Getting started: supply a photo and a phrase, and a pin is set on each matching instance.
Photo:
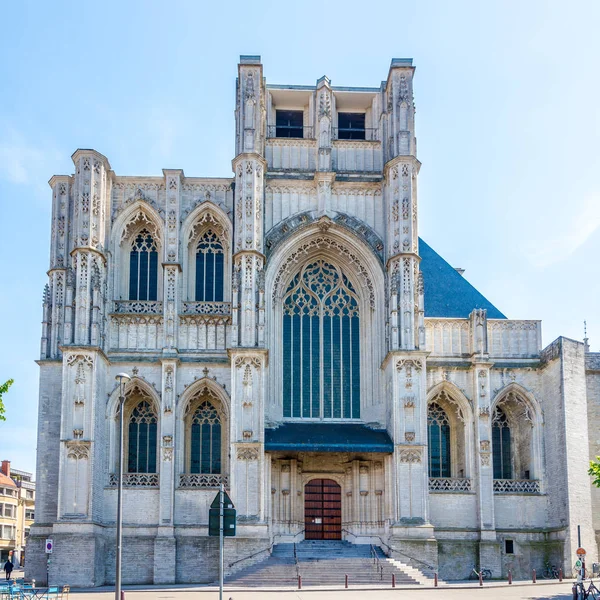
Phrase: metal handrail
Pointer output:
(377, 561)
(370, 134)
(391, 550)
(235, 562)
(307, 132)
(265, 549)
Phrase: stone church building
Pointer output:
(287, 333)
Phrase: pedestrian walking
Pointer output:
(8, 567)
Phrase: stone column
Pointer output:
(247, 433)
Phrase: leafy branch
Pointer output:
(3, 389)
(594, 471)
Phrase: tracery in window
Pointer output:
(210, 268)
(142, 439)
(501, 445)
(438, 428)
(205, 440)
(321, 345)
(143, 267)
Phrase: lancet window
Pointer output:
(501, 445)
(205, 440)
(143, 267)
(142, 439)
(321, 345)
(210, 268)
(438, 428)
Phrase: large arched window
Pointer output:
(438, 428)
(205, 440)
(143, 267)
(501, 445)
(321, 345)
(142, 433)
(209, 268)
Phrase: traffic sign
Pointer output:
(49, 546)
(229, 515)
(580, 552)
(227, 503)
(228, 522)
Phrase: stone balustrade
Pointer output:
(137, 307)
(202, 480)
(516, 486)
(506, 338)
(148, 480)
(450, 484)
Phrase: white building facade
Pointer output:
(288, 334)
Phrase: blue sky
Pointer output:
(507, 124)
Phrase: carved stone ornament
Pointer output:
(409, 436)
(247, 434)
(285, 468)
(167, 454)
(254, 361)
(364, 470)
(78, 451)
(77, 433)
(167, 440)
(485, 459)
(410, 456)
(484, 445)
(484, 412)
(409, 364)
(247, 453)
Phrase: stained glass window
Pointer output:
(142, 443)
(143, 267)
(321, 345)
(438, 428)
(501, 445)
(209, 268)
(205, 448)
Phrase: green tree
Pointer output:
(594, 471)
(3, 389)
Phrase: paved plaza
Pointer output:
(540, 591)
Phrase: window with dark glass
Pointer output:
(501, 445)
(143, 268)
(321, 345)
(289, 123)
(438, 429)
(209, 268)
(351, 126)
(205, 447)
(142, 448)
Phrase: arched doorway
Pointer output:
(322, 510)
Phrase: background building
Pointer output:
(289, 334)
(17, 508)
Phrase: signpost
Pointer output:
(48, 547)
(581, 561)
(221, 522)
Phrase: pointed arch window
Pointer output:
(143, 267)
(142, 439)
(321, 345)
(438, 429)
(501, 445)
(205, 440)
(210, 268)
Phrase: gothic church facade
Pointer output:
(287, 333)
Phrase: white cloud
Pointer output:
(565, 237)
(22, 162)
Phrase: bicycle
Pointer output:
(580, 593)
(550, 572)
(485, 574)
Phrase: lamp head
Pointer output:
(121, 377)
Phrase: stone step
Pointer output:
(322, 563)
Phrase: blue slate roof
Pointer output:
(327, 437)
(447, 292)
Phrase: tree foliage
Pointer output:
(594, 471)
(3, 389)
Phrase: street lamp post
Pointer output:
(122, 378)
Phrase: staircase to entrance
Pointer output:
(325, 562)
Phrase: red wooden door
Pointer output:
(322, 510)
